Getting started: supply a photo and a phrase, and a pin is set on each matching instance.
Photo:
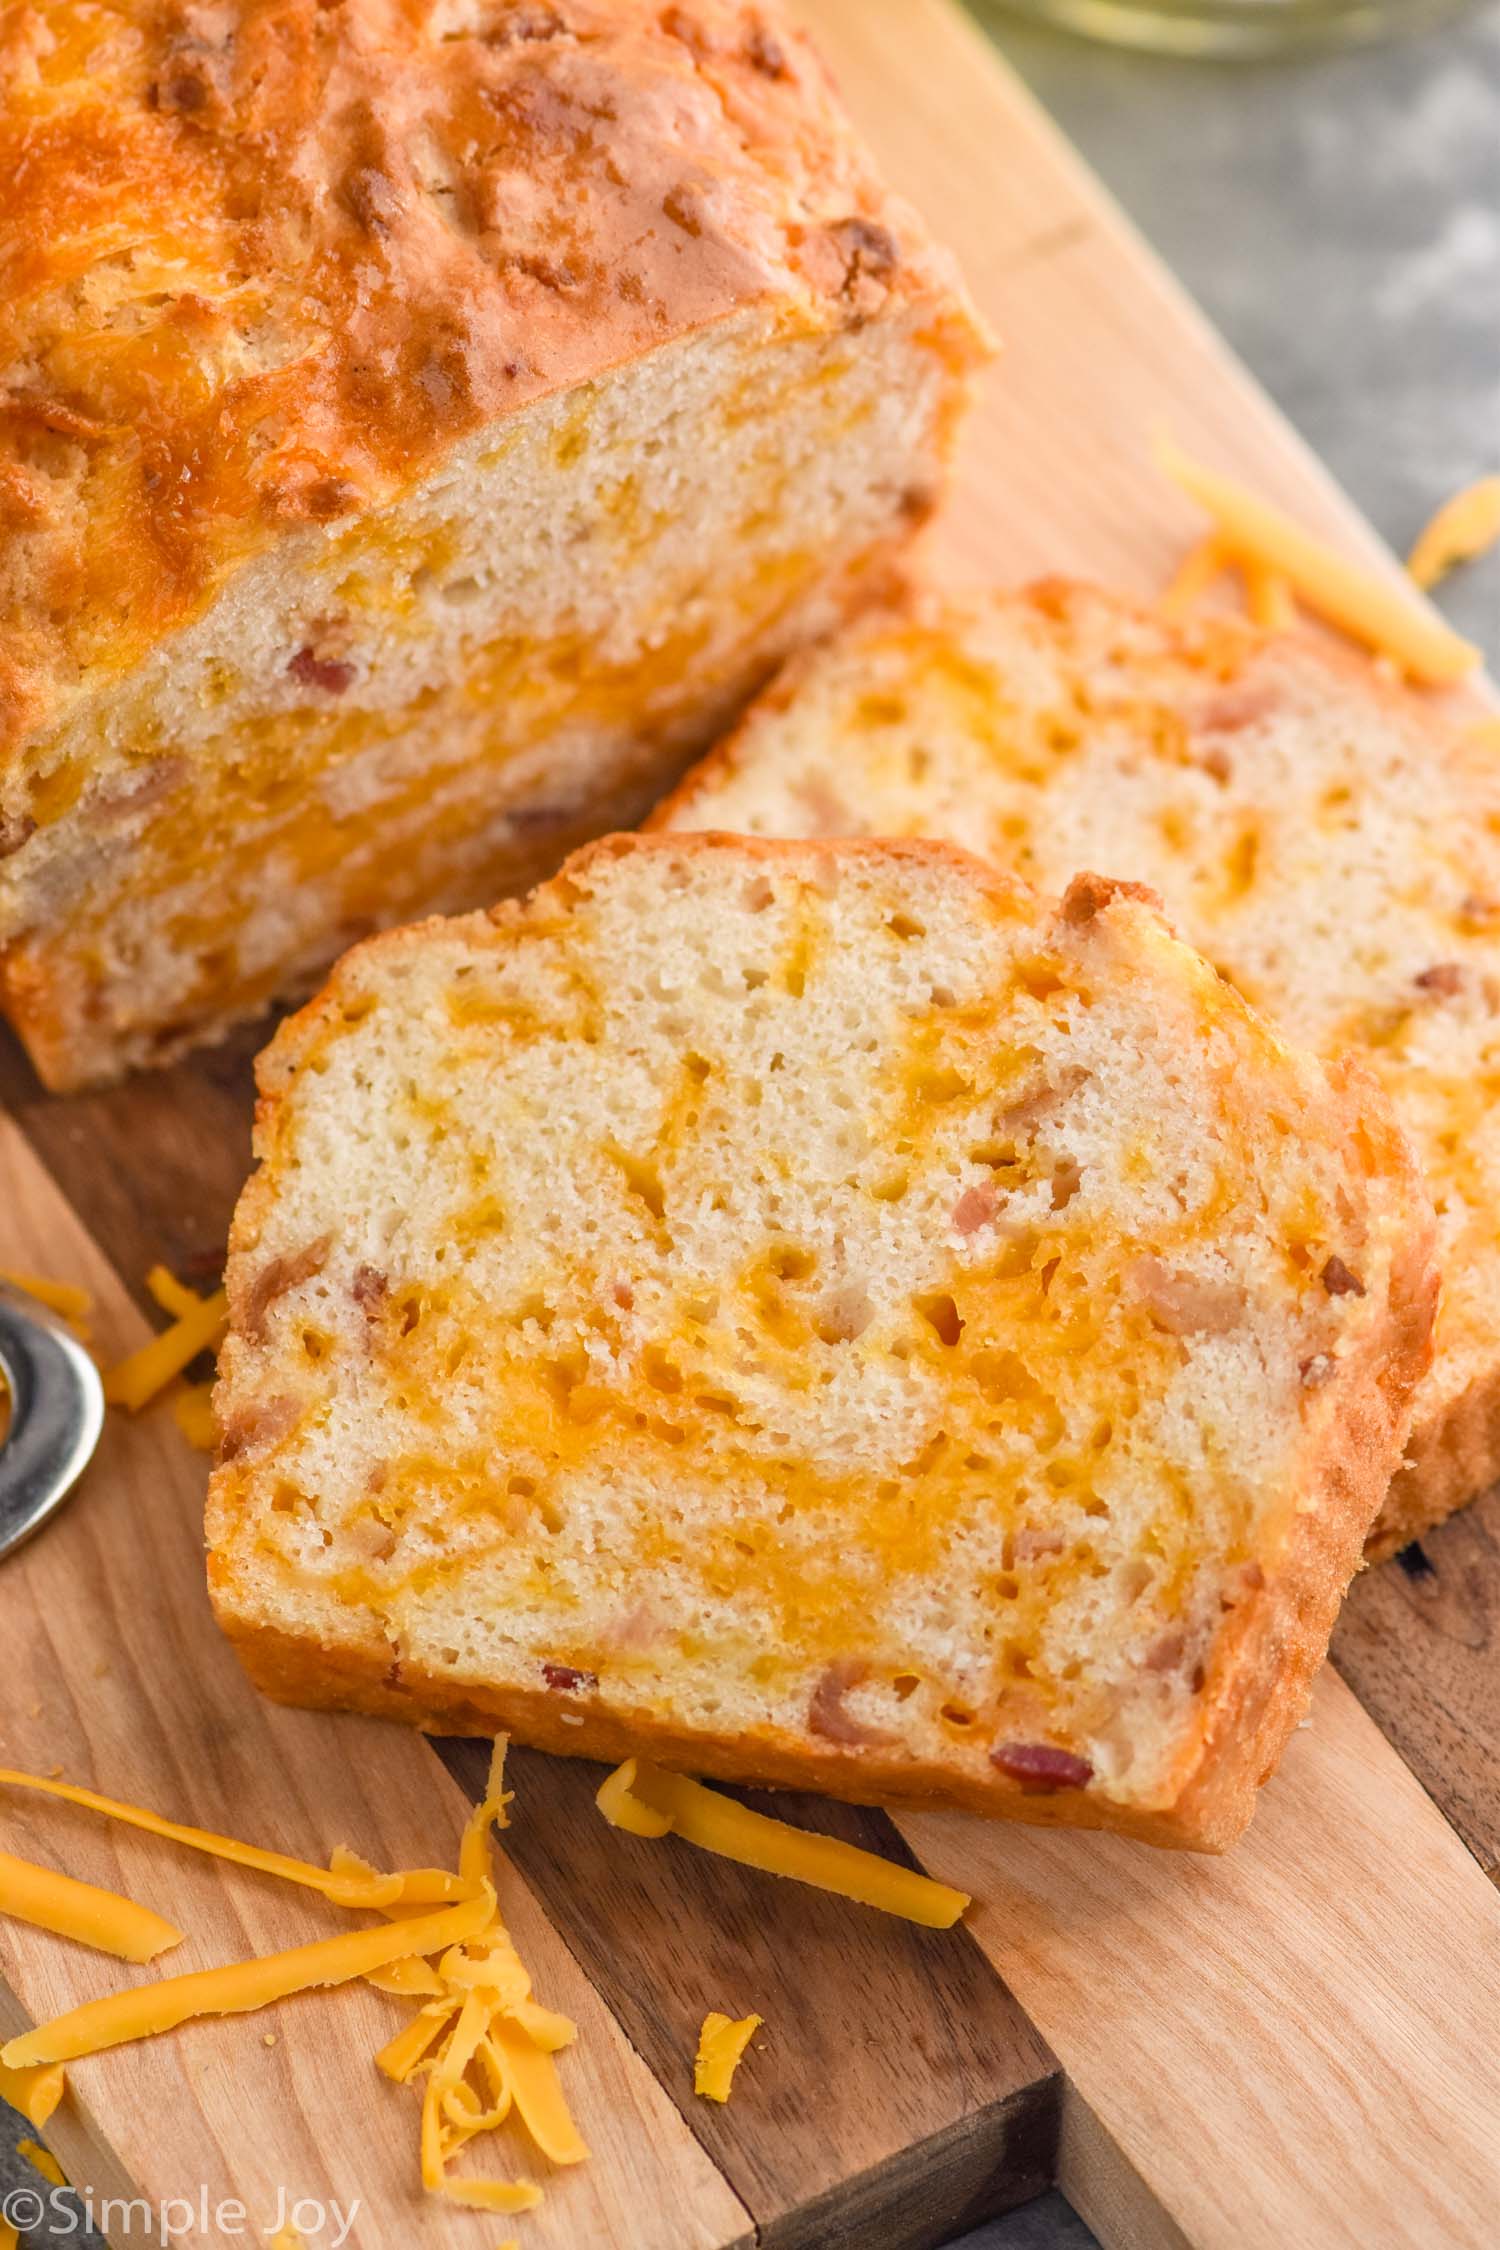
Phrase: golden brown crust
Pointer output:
(1266, 1654)
(1450, 1459)
(1266, 1669)
(269, 259)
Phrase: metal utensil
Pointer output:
(56, 1414)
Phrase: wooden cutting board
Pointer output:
(1293, 2045)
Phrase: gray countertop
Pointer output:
(1338, 218)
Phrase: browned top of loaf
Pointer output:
(264, 260)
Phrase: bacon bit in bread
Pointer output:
(1339, 1281)
(975, 1208)
(1088, 895)
(1166, 1652)
(568, 1680)
(257, 1427)
(764, 51)
(330, 673)
(1316, 1371)
(826, 1714)
(1186, 1304)
(275, 1279)
(145, 788)
(1027, 1110)
(1235, 708)
(529, 820)
(844, 1314)
(827, 815)
(1444, 978)
(1040, 1767)
(868, 249)
(522, 24)
(1248, 1579)
(369, 1288)
(1033, 1545)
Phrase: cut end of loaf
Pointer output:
(412, 497)
(814, 1314)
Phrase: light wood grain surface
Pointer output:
(1292, 2044)
(1287, 2047)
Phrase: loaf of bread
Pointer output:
(1329, 845)
(815, 1313)
(423, 427)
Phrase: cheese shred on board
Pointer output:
(721, 2046)
(68, 1299)
(174, 1296)
(1464, 528)
(481, 2043)
(348, 1882)
(35, 2093)
(1358, 601)
(1195, 574)
(138, 1379)
(193, 1412)
(101, 1919)
(647, 1802)
(1268, 597)
(42, 2160)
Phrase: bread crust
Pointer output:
(357, 234)
(1264, 1658)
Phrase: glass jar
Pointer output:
(1237, 27)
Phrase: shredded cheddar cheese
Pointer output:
(35, 2093)
(1201, 566)
(242, 1986)
(101, 1919)
(407, 1977)
(485, 2023)
(174, 1296)
(43, 2161)
(1268, 597)
(348, 1882)
(138, 1379)
(1342, 593)
(641, 1798)
(1464, 528)
(480, 2041)
(68, 1299)
(192, 1411)
(721, 2046)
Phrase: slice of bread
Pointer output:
(424, 428)
(1331, 846)
(815, 1313)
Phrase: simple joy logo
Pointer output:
(58, 2213)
